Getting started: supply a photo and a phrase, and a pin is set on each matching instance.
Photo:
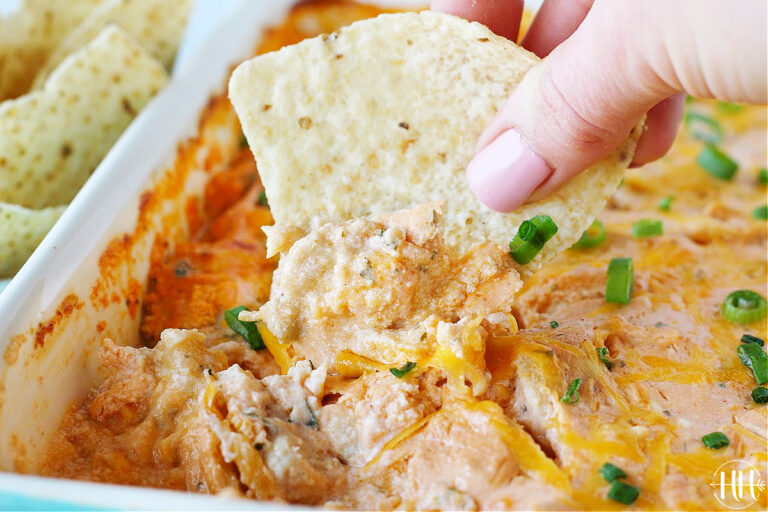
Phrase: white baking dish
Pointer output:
(38, 382)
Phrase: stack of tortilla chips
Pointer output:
(72, 77)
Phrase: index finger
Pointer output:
(501, 16)
(555, 21)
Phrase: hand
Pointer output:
(609, 63)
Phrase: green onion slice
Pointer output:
(717, 163)
(243, 141)
(703, 128)
(760, 395)
(760, 213)
(647, 227)
(744, 307)
(262, 200)
(554, 324)
(621, 281)
(312, 421)
(665, 203)
(623, 493)
(571, 395)
(611, 472)
(755, 359)
(602, 354)
(593, 236)
(762, 176)
(715, 441)
(726, 107)
(531, 237)
(748, 338)
(247, 330)
(182, 268)
(403, 370)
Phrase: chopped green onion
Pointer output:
(623, 493)
(762, 176)
(755, 359)
(717, 163)
(665, 203)
(715, 441)
(312, 421)
(726, 107)
(602, 353)
(647, 227)
(744, 307)
(243, 141)
(760, 213)
(531, 237)
(247, 330)
(182, 268)
(571, 395)
(621, 281)
(403, 370)
(262, 200)
(703, 128)
(593, 236)
(611, 472)
(760, 395)
(554, 324)
(748, 338)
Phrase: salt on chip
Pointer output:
(29, 34)
(51, 140)
(21, 230)
(384, 115)
(156, 24)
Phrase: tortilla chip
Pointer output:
(155, 24)
(21, 231)
(29, 34)
(384, 115)
(52, 140)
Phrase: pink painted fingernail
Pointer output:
(505, 173)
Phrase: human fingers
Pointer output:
(575, 107)
(554, 22)
(501, 16)
(661, 125)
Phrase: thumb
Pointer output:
(568, 112)
(576, 106)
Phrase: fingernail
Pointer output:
(505, 173)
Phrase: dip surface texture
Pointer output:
(398, 376)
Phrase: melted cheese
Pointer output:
(458, 370)
(657, 465)
(700, 464)
(522, 447)
(529, 454)
(280, 351)
(665, 370)
(352, 366)
(402, 436)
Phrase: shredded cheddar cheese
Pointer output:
(280, 351)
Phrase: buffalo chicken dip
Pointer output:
(373, 369)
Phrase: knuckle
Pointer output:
(569, 122)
